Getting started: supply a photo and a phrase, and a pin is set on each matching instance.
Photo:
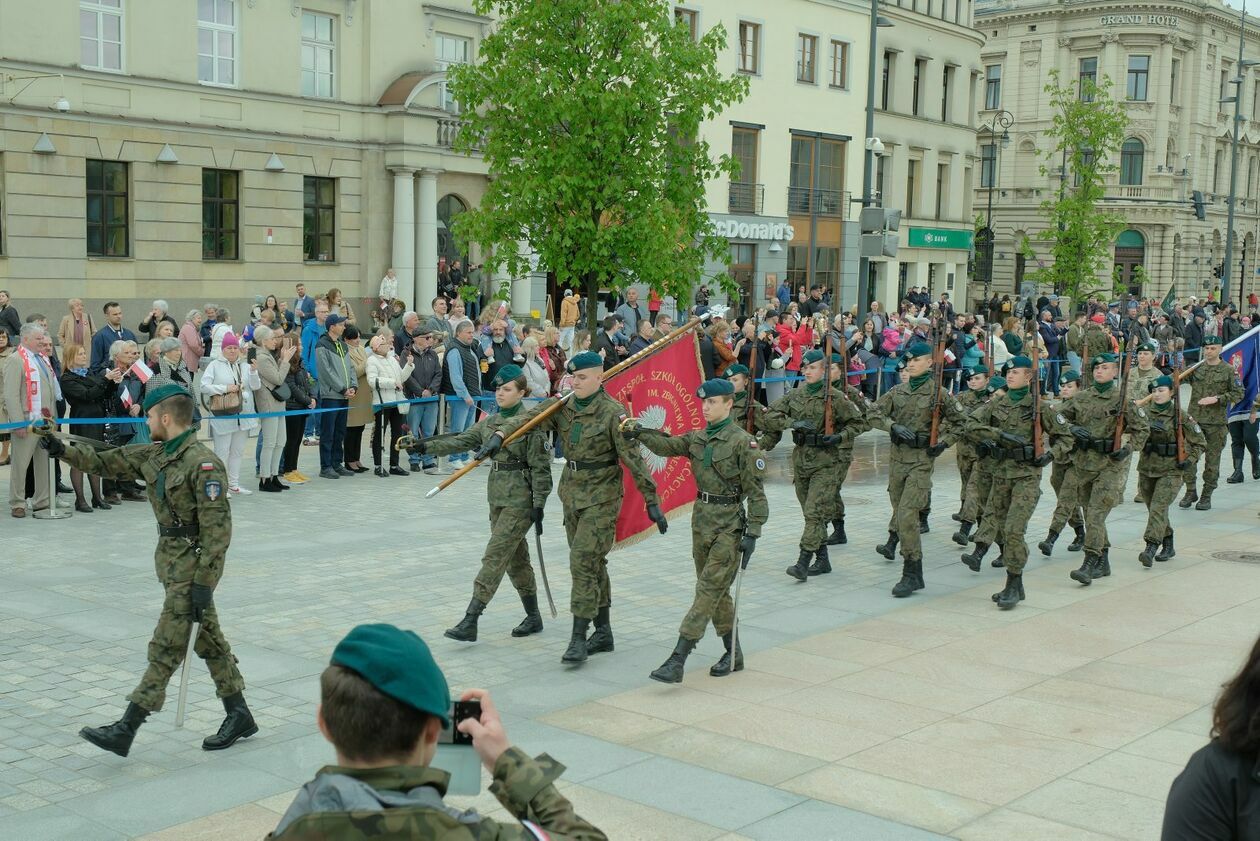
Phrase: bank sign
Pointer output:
(940, 238)
(1165, 21)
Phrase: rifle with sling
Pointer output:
(1181, 433)
(938, 359)
(750, 393)
(1117, 440)
(827, 422)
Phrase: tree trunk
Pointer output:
(590, 287)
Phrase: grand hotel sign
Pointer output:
(1161, 21)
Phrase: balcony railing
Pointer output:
(746, 198)
(447, 130)
(1120, 192)
(803, 201)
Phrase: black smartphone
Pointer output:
(460, 710)
(251, 354)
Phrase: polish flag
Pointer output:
(142, 371)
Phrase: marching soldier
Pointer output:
(980, 480)
(728, 467)
(1010, 426)
(976, 378)
(1067, 509)
(1140, 379)
(1093, 415)
(1159, 472)
(1094, 341)
(859, 401)
(1213, 387)
(746, 406)
(520, 481)
(906, 412)
(816, 457)
(187, 488)
(591, 492)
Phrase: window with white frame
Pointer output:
(318, 55)
(451, 50)
(839, 64)
(749, 47)
(100, 34)
(216, 42)
(806, 58)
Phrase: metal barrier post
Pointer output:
(51, 512)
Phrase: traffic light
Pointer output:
(1200, 209)
(1219, 270)
(878, 227)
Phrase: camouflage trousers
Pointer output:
(591, 532)
(976, 495)
(817, 490)
(1098, 492)
(170, 643)
(716, 555)
(507, 552)
(1011, 505)
(1159, 493)
(842, 472)
(909, 491)
(1067, 509)
(966, 459)
(1215, 436)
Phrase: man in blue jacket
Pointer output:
(312, 329)
(113, 331)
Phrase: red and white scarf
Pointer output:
(33, 393)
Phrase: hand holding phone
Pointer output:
(486, 730)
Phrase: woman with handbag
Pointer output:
(227, 391)
(385, 380)
(273, 367)
(86, 393)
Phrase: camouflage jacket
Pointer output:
(1159, 455)
(800, 404)
(971, 402)
(725, 462)
(406, 802)
(591, 436)
(1218, 380)
(187, 488)
(1098, 412)
(1015, 417)
(903, 404)
(520, 472)
(1093, 342)
(766, 439)
(1139, 381)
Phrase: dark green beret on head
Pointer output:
(977, 371)
(812, 356)
(1101, 359)
(399, 665)
(1211, 340)
(715, 388)
(837, 359)
(161, 393)
(996, 383)
(1020, 362)
(732, 370)
(585, 359)
(1150, 346)
(1069, 377)
(1160, 382)
(917, 349)
(506, 374)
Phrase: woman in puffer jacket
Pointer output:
(385, 378)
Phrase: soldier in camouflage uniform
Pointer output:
(1139, 381)
(1067, 509)
(1214, 386)
(905, 412)
(976, 377)
(746, 408)
(1094, 341)
(980, 480)
(816, 456)
(187, 489)
(520, 480)
(858, 399)
(591, 492)
(1093, 415)
(1160, 474)
(728, 467)
(384, 704)
(1010, 428)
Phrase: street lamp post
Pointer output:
(1237, 81)
(1001, 120)
(868, 156)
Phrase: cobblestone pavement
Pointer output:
(860, 716)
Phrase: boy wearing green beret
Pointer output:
(1214, 386)
(1161, 469)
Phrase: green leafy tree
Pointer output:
(1084, 138)
(588, 114)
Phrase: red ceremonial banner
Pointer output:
(660, 392)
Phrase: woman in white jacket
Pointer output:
(538, 383)
(230, 374)
(386, 377)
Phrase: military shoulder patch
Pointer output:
(207, 465)
(761, 464)
(1059, 419)
(1141, 413)
(958, 407)
(752, 443)
(213, 490)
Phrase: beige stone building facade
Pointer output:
(1170, 63)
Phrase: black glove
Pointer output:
(833, 440)
(493, 444)
(630, 431)
(746, 546)
(1081, 434)
(655, 515)
(1043, 459)
(1010, 439)
(1159, 426)
(202, 598)
(417, 447)
(1184, 463)
(538, 518)
(803, 425)
(901, 434)
(53, 445)
(937, 448)
(1120, 454)
(985, 449)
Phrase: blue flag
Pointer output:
(1243, 355)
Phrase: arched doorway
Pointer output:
(448, 207)
(1130, 255)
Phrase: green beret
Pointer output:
(917, 349)
(585, 359)
(1211, 340)
(506, 374)
(164, 392)
(1020, 362)
(996, 383)
(837, 359)
(399, 665)
(1160, 382)
(1150, 346)
(735, 369)
(977, 370)
(1101, 359)
(715, 388)
(812, 356)
(1069, 376)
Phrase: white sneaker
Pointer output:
(240, 491)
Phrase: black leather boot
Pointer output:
(466, 630)
(1190, 497)
(1205, 501)
(1255, 466)
(671, 671)
(924, 528)
(821, 564)
(918, 574)
(722, 667)
(1012, 594)
(1147, 555)
(1102, 567)
(576, 652)
(601, 638)
(1236, 477)
(1085, 573)
(1047, 546)
(960, 536)
(532, 623)
(1078, 542)
(1000, 560)
(977, 555)
(957, 516)
(800, 569)
(838, 537)
(239, 724)
(1166, 550)
(117, 737)
(909, 580)
(889, 549)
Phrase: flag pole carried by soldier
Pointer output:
(1067, 509)
(1175, 441)
(517, 490)
(187, 489)
(728, 467)
(1214, 385)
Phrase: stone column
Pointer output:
(404, 241)
(426, 240)
(1162, 99)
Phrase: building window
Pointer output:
(942, 185)
(689, 18)
(798, 266)
(828, 268)
(216, 42)
(107, 211)
(916, 88)
(319, 219)
(450, 50)
(839, 64)
(318, 55)
(749, 47)
(1139, 73)
(1087, 165)
(744, 191)
(988, 165)
(881, 172)
(947, 89)
(220, 214)
(1087, 79)
(886, 81)
(807, 58)
(912, 186)
(1224, 84)
(1174, 80)
(993, 87)
(100, 34)
(826, 197)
